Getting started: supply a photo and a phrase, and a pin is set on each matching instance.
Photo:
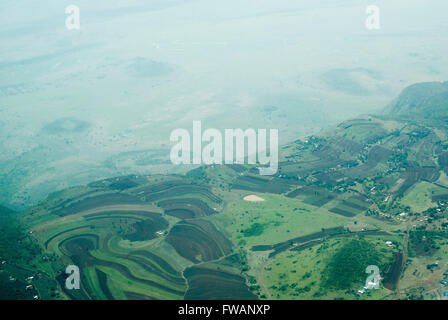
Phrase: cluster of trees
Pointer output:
(347, 266)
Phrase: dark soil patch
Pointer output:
(198, 241)
(207, 284)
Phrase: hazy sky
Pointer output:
(78, 105)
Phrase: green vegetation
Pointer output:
(22, 262)
(255, 229)
(299, 274)
(369, 192)
(347, 267)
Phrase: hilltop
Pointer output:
(427, 100)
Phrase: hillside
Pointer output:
(427, 100)
(376, 182)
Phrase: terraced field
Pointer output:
(137, 242)
(198, 241)
(203, 285)
(176, 237)
(376, 184)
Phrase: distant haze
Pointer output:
(76, 106)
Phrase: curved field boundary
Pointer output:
(137, 296)
(147, 229)
(98, 200)
(160, 186)
(102, 209)
(151, 268)
(128, 274)
(158, 260)
(113, 217)
(198, 241)
(61, 233)
(102, 279)
(208, 284)
(81, 294)
(176, 188)
(82, 236)
(160, 268)
(124, 213)
(186, 208)
(85, 258)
